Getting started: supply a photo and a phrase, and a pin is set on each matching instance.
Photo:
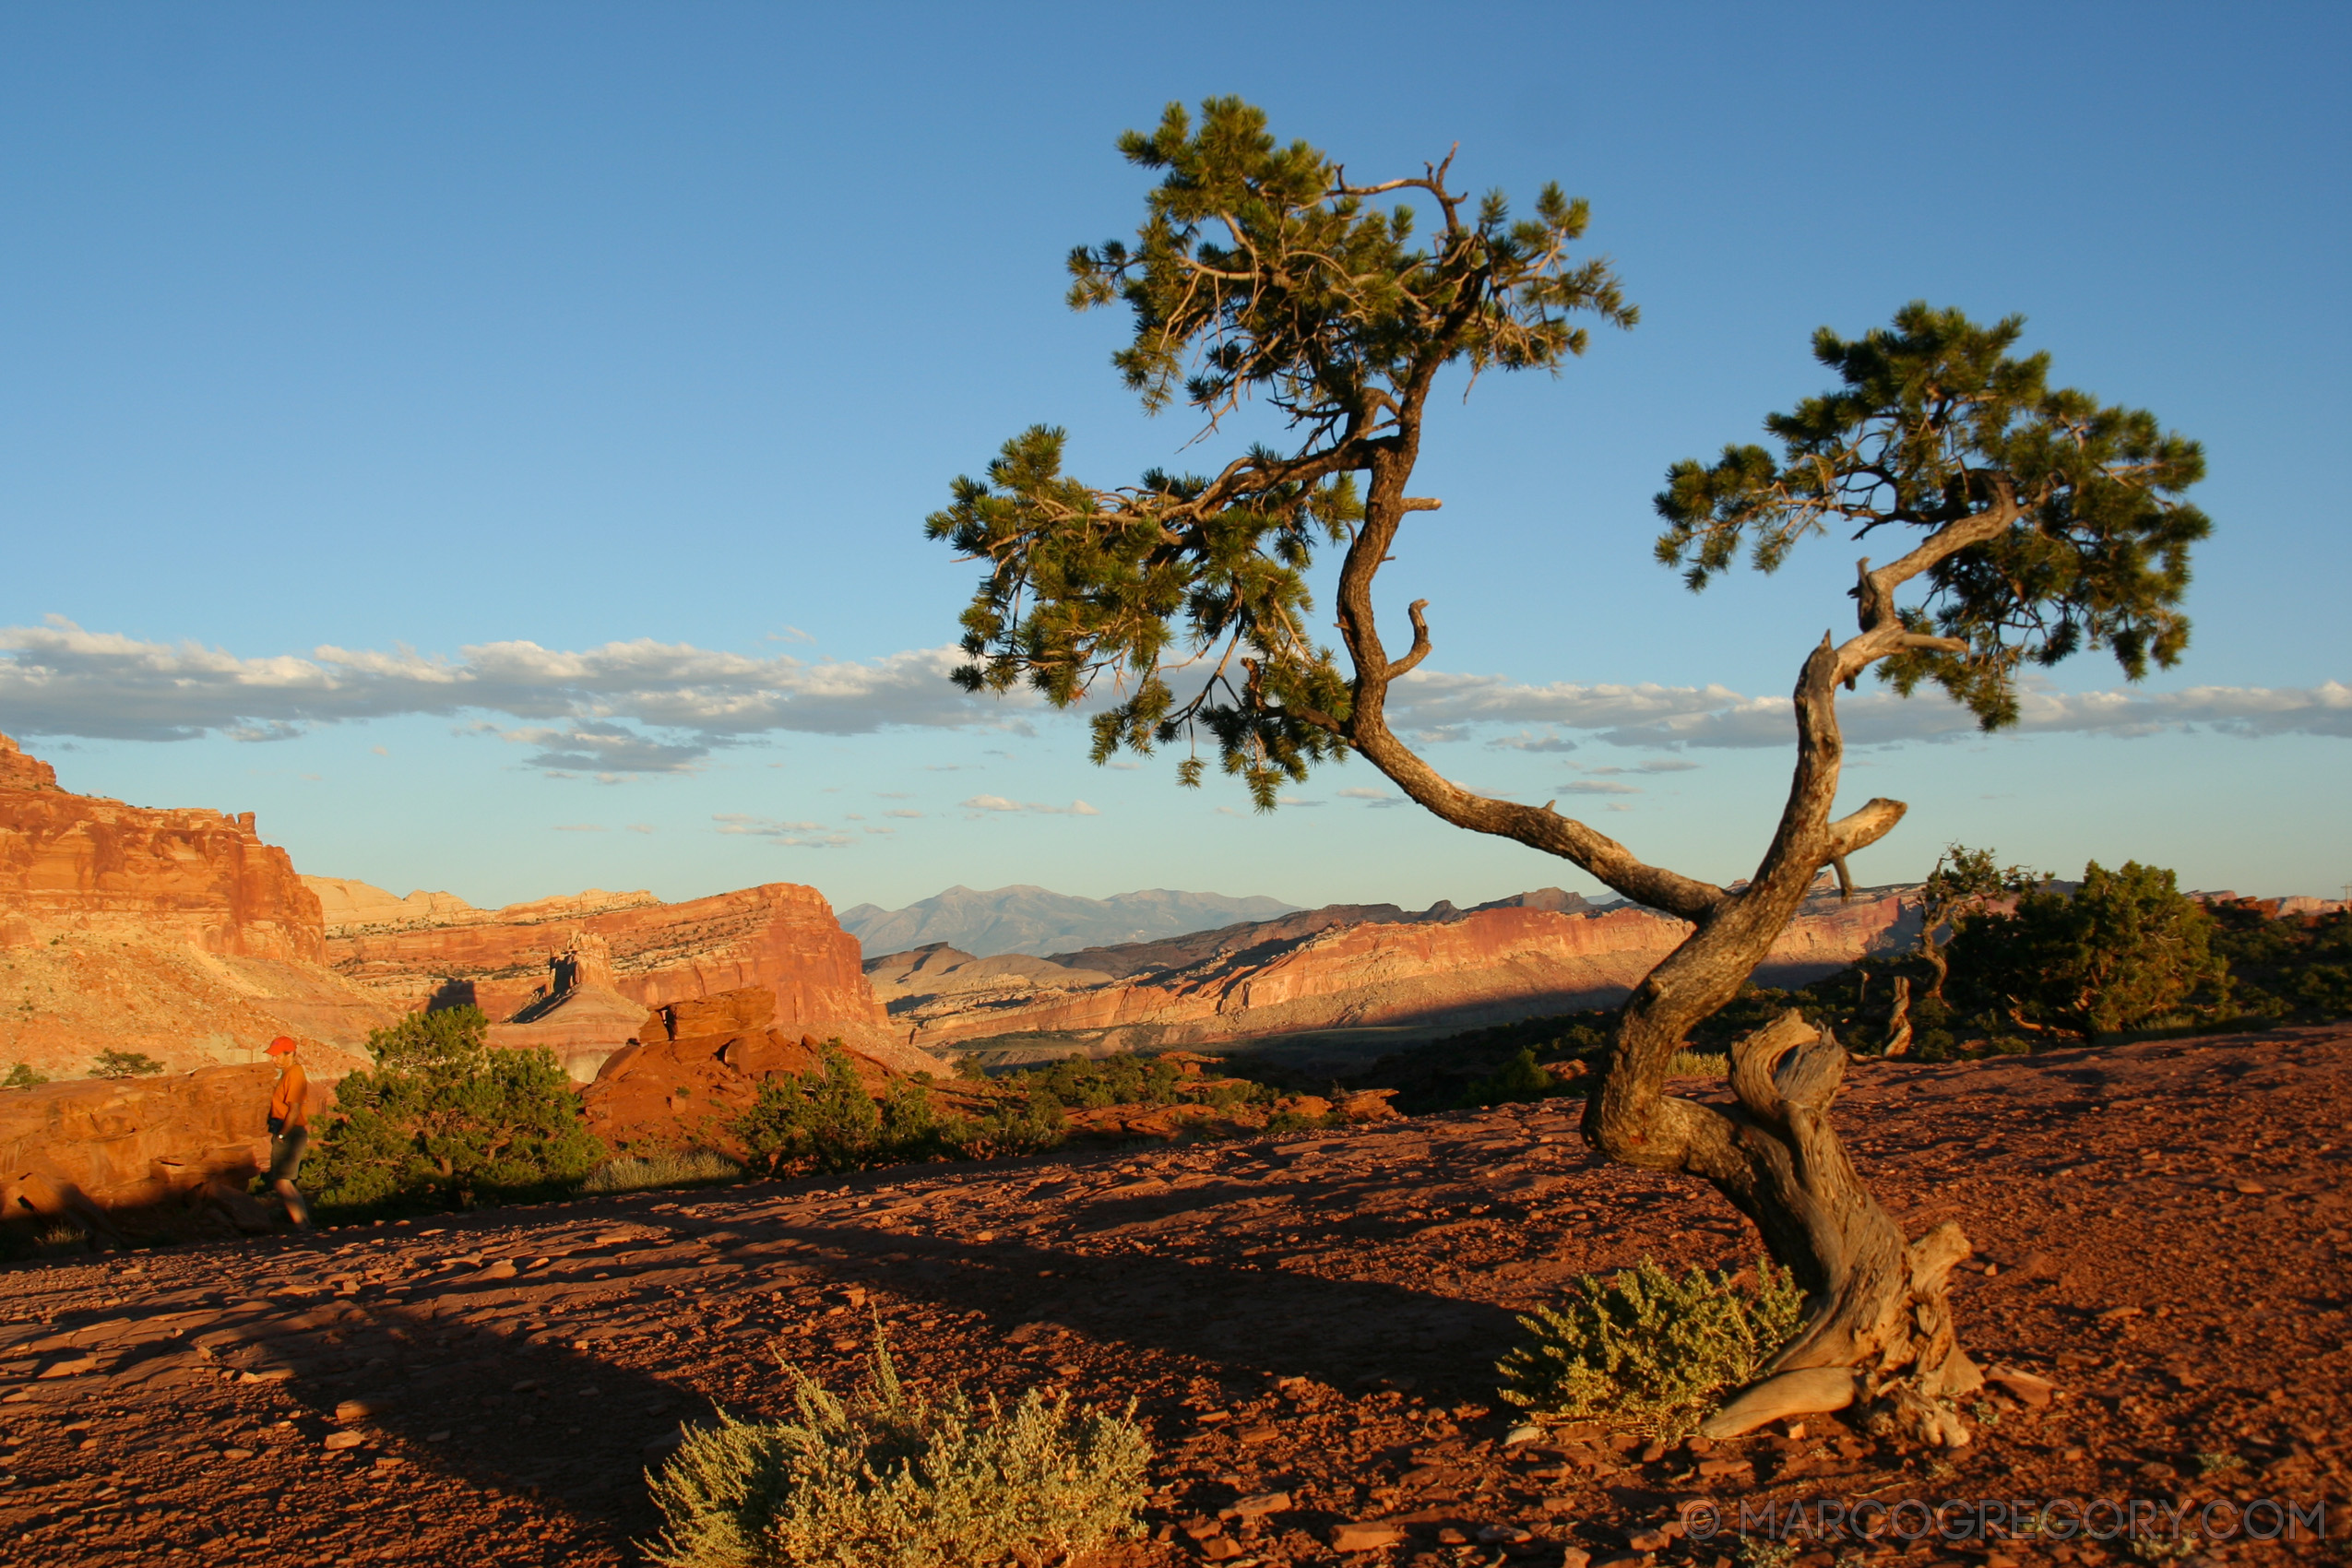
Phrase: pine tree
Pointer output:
(2029, 523)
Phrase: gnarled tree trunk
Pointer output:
(1878, 1324)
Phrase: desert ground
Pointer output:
(1307, 1324)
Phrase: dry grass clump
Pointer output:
(1647, 1349)
(637, 1173)
(894, 1480)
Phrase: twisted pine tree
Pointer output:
(2030, 523)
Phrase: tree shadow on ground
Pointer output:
(546, 1415)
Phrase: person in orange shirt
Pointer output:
(289, 1129)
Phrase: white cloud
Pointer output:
(1679, 717)
(1597, 787)
(1426, 698)
(580, 827)
(586, 710)
(1524, 741)
(1376, 797)
(600, 749)
(902, 811)
(998, 803)
(640, 709)
(761, 827)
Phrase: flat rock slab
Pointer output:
(1308, 1324)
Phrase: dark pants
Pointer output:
(286, 1151)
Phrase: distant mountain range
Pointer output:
(1034, 919)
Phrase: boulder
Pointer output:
(698, 1064)
(119, 1157)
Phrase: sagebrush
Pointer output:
(1648, 1349)
(896, 1479)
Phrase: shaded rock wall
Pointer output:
(1492, 964)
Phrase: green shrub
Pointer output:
(827, 1121)
(2286, 968)
(124, 1064)
(443, 1121)
(1647, 1349)
(647, 1173)
(1082, 1083)
(1015, 1128)
(22, 1076)
(2126, 949)
(1517, 1080)
(892, 1480)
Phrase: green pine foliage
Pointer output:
(22, 1076)
(124, 1064)
(1259, 274)
(823, 1120)
(1648, 1351)
(443, 1122)
(1935, 422)
(893, 1478)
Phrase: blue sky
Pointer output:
(492, 443)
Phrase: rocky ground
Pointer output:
(1307, 1322)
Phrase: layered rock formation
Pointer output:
(539, 965)
(177, 932)
(581, 1018)
(1333, 969)
(79, 862)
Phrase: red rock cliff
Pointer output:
(82, 864)
(780, 936)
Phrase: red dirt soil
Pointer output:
(1314, 1315)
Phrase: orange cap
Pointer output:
(282, 1046)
